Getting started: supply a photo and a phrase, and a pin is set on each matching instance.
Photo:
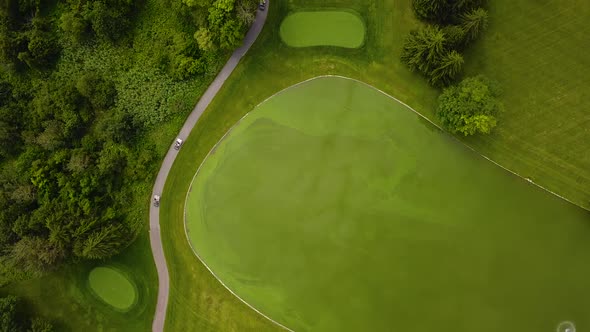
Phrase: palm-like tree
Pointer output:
(423, 49)
(447, 70)
(473, 23)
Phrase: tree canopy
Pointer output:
(425, 51)
(470, 107)
(443, 11)
(71, 145)
(14, 320)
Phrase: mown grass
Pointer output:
(113, 286)
(538, 51)
(313, 28)
(542, 135)
(65, 297)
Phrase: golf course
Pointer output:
(333, 207)
(341, 165)
(326, 205)
(113, 287)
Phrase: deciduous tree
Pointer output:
(470, 107)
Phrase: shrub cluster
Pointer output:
(435, 51)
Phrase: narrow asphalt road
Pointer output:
(155, 238)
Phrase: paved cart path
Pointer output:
(155, 238)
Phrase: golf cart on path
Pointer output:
(156, 200)
(177, 144)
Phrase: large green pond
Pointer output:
(332, 207)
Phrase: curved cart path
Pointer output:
(155, 238)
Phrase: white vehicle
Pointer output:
(177, 144)
(156, 200)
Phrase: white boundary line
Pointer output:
(293, 86)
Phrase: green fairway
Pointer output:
(112, 287)
(332, 207)
(323, 28)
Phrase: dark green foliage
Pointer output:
(102, 243)
(109, 21)
(40, 325)
(443, 11)
(8, 319)
(74, 26)
(431, 10)
(36, 255)
(448, 68)
(473, 23)
(470, 107)
(425, 51)
(69, 135)
(42, 47)
(225, 23)
(26, 38)
(230, 34)
(100, 92)
(75, 139)
(454, 36)
(13, 320)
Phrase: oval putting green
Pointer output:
(323, 28)
(332, 207)
(113, 287)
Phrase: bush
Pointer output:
(100, 92)
(470, 107)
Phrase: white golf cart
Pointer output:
(177, 144)
(156, 200)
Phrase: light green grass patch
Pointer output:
(113, 287)
(332, 207)
(323, 28)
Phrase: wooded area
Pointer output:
(71, 145)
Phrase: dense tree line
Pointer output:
(12, 319)
(70, 155)
(435, 51)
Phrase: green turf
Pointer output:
(112, 286)
(334, 208)
(323, 28)
(65, 297)
(541, 59)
